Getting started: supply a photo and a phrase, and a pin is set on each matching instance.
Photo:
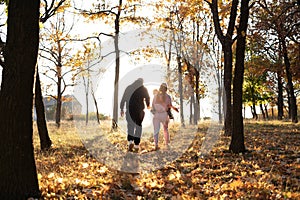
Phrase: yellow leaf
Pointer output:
(288, 195)
(59, 180)
(85, 165)
(171, 177)
(178, 174)
(235, 184)
(259, 172)
(243, 173)
(40, 176)
(51, 175)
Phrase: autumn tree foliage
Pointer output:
(264, 57)
(258, 88)
(45, 141)
(60, 60)
(186, 47)
(278, 21)
(18, 171)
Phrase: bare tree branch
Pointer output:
(51, 10)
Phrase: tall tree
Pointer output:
(45, 141)
(280, 96)
(178, 43)
(264, 48)
(62, 61)
(17, 170)
(115, 15)
(117, 69)
(226, 40)
(282, 24)
(237, 139)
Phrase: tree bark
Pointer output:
(219, 98)
(280, 96)
(96, 104)
(262, 111)
(266, 111)
(86, 84)
(17, 170)
(117, 69)
(45, 140)
(192, 103)
(237, 139)
(226, 41)
(227, 87)
(58, 102)
(290, 86)
(254, 113)
(197, 100)
(289, 103)
(180, 90)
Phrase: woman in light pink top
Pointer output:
(161, 103)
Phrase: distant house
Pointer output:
(70, 106)
(49, 102)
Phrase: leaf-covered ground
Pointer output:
(270, 170)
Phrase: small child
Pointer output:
(155, 92)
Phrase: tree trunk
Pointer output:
(290, 86)
(280, 96)
(17, 170)
(192, 103)
(262, 111)
(117, 70)
(197, 102)
(254, 100)
(237, 140)
(180, 91)
(96, 105)
(220, 100)
(86, 90)
(45, 140)
(226, 41)
(254, 113)
(289, 103)
(58, 102)
(197, 70)
(266, 111)
(227, 87)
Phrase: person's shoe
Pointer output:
(156, 148)
(136, 147)
(130, 145)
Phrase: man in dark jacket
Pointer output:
(135, 96)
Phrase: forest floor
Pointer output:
(74, 169)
